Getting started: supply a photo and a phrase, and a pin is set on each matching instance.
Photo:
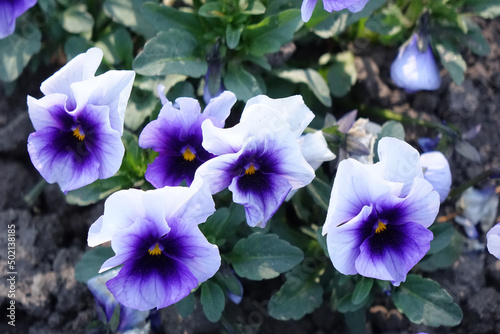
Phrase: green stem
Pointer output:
(35, 192)
(493, 172)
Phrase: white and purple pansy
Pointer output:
(378, 214)
(259, 159)
(79, 123)
(156, 238)
(176, 135)
(353, 6)
(10, 10)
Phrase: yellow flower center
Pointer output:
(188, 155)
(250, 170)
(155, 251)
(381, 227)
(78, 134)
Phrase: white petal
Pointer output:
(40, 110)
(315, 149)
(493, 241)
(437, 172)
(80, 68)
(220, 107)
(399, 162)
(221, 141)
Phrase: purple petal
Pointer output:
(171, 170)
(219, 108)
(344, 241)
(307, 9)
(390, 254)
(261, 194)
(10, 10)
(49, 112)
(337, 5)
(358, 6)
(185, 243)
(493, 241)
(218, 172)
(152, 281)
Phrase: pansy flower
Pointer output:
(259, 159)
(79, 123)
(378, 214)
(176, 135)
(353, 6)
(10, 10)
(156, 238)
(415, 69)
(493, 241)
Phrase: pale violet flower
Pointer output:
(378, 214)
(156, 239)
(259, 159)
(176, 136)
(79, 122)
(10, 10)
(493, 241)
(437, 172)
(129, 319)
(353, 6)
(415, 70)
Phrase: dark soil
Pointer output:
(51, 235)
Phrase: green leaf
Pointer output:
(241, 83)
(362, 290)
(443, 233)
(171, 52)
(17, 49)
(263, 256)
(75, 45)
(117, 47)
(346, 305)
(487, 9)
(223, 223)
(139, 108)
(76, 20)
(342, 74)
(257, 8)
(468, 151)
(91, 262)
(300, 295)
(97, 190)
(356, 321)
(211, 9)
(312, 79)
(185, 306)
(165, 17)
(272, 32)
(322, 241)
(128, 13)
(233, 35)
(423, 301)
(320, 192)
(451, 59)
(475, 40)
(212, 300)
(444, 258)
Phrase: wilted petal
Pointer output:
(437, 172)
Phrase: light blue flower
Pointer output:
(378, 214)
(414, 69)
(331, 5)
(10, 10)
(79, 123)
